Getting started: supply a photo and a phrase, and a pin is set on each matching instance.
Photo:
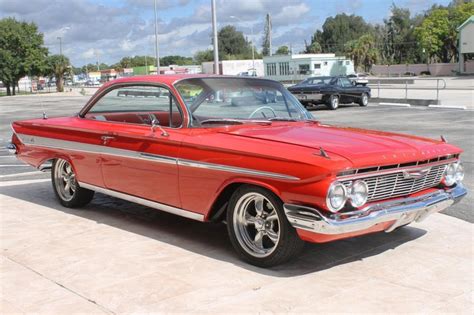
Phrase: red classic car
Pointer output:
(243, 151)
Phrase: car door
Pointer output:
(140, 159)
(348, 90)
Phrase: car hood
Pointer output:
(361, 147)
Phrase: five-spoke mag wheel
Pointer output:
(258, 228)
(66, 187)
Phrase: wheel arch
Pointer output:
(218, 208)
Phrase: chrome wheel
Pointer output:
(256, 224)
(365, 99)
(65, 180)
(335, 102)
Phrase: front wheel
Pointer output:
(65, 185)
(364, 100)
(333, 102)
(259, 229)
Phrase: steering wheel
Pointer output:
(262, 108)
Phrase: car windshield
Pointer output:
(220, 100)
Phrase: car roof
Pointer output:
(170, 79)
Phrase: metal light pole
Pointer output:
(60, 45)
(251, 42)
(214, 36)
(157, 51)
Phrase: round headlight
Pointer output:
(337, 196)
(459, 173)
(359, 193)
(450, 175)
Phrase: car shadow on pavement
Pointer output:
(325, 108)
(210, 239)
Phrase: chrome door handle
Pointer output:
(106, 139)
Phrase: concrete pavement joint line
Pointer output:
(62, 286)
(396, 104)
(448, 107)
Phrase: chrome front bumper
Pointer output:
(401, 211)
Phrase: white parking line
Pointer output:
(15, 165)
(447, 107)
(21, 174)
(396, 104)
(23, 182)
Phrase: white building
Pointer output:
(466, 42)
(235, 67)
(292, 68)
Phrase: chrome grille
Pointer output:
(396, 185)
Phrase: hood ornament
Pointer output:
(323, 153)
(443, 139)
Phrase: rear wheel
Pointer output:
(259, 229)
(65, 185)
(364, 100)
(333, 102)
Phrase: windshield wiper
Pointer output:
(231, 121)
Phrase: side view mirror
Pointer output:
(155, 123)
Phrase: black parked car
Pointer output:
(331, 91)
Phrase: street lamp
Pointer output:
(251, 42)
(157, 52)
(60, 38)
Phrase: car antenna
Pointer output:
(443, 139)
(44, 112)
(323, 153)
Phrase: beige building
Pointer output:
(466, 42)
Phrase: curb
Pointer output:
(396, 104)
(447, 107)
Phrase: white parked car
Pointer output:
(359, 78)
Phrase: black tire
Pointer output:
(333, 102)
(364, 100)
(288, 244)
(74, 196)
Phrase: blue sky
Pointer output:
(111, 29)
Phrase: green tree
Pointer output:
(176, 60)
(21, 52)
(59, 67)
(266, 36)
(204, 56)
(363, 52)
(282, 50)
(400, 41)
(437, 33)
(338, 30)
(313, 48)
(232, 43)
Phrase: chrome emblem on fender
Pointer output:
(416, 174)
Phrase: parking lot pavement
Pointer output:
(116, 257)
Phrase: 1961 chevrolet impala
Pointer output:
(244, 151)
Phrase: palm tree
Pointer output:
(58, 67)
(363, 51)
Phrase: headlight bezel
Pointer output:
(359, 183)
(453, 174)
(331, 189)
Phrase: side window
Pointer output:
(138, 105)
(345, 82)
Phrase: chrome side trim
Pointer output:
(145, 202)
(101, 149)
(400, 211)
(232, 169)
